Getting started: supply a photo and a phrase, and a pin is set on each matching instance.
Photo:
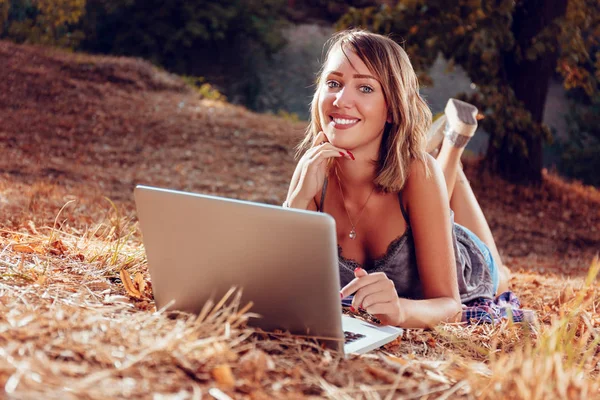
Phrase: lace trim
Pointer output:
(381, 261)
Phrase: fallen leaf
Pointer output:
(431, 342)
(23, 248)
(223, 375)
(140, 282)
(129, 286)
(58, 248)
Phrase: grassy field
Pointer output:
(77, 318)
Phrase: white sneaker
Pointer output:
(459, 119)
(462, 117)
(435, 134)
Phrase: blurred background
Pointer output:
(531, 66)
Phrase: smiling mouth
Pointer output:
(344, 122)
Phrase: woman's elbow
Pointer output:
(454, 310)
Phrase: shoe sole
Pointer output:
(461, 117)
(435, 135)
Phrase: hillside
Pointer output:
(76, 129)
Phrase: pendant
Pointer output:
(352, 234)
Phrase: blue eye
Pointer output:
(332, 84)
(366, 89)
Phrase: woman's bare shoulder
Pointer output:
(424, 174)
(425, 186)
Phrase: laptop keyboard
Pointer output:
(350, 337)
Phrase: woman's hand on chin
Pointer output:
(377, 295)
(311, 171)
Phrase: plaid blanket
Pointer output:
(505, 306)
(483, 310)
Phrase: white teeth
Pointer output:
(344, 121)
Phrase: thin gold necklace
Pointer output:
(352, 234)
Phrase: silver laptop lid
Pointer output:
(199, 246)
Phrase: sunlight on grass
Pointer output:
(102, 249)
(559, 359)
(563, 362)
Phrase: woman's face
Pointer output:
(352, 109)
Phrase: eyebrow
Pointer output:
(359, 76)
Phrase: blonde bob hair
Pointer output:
(404, 139)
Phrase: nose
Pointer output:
(343, 99)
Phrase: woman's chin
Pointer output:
(337, 139)
(338, 143)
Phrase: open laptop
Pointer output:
(285, 260)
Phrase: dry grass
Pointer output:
(77, 318)
(70, 328)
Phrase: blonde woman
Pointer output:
(364, 162)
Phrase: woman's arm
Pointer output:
(429, 213)
(430, 312)
(376, 294)
(310, 173)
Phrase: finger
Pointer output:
(384, 319)
(320, 137)
(320, 156)
(321, 143)
(367, 278)
(375, 288)
(359, 272)
(359, 283)
(383, 311)
(307, 154)
(356, 284)
(380, 296)
(326, 146)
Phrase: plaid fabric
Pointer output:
(483, 310)
(505, 306)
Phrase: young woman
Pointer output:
(365, 163)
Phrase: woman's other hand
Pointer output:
(377, 295)
(310, 171)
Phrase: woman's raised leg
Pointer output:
(459, 126)
(467, 211)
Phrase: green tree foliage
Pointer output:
(580, 153)
(509, 50)
(579, 47)
(182, 34)
(579, 65)
(203, 88)
(323, 10)
(48, 22)
(219, 40)
(4, 9)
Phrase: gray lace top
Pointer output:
(399, 263)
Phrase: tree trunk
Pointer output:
(529, 80)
